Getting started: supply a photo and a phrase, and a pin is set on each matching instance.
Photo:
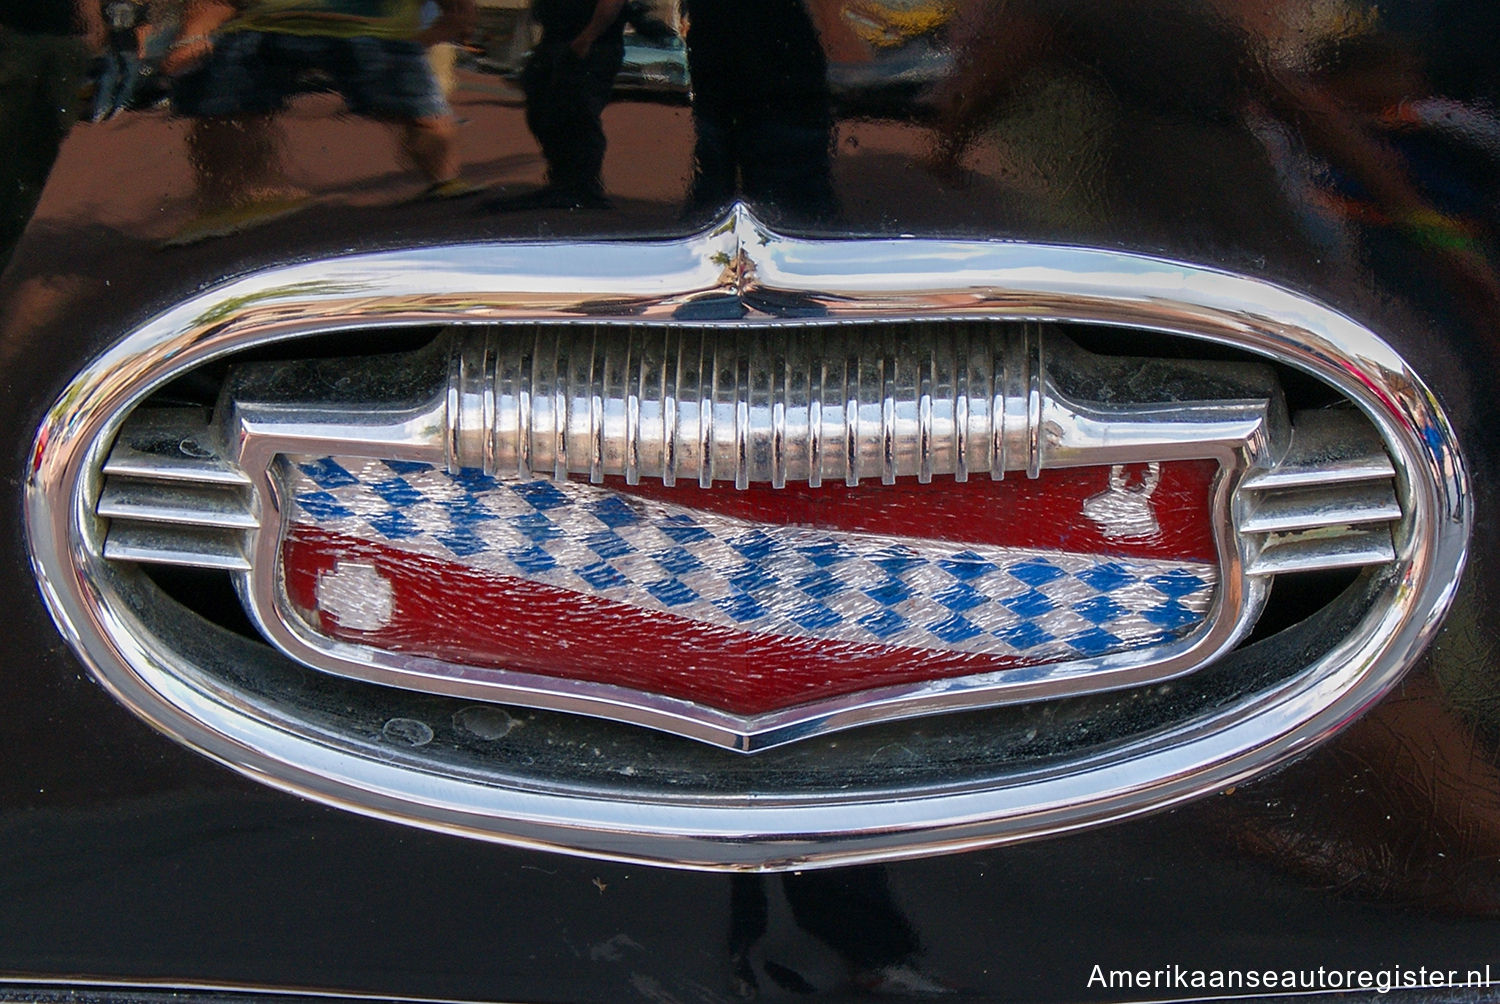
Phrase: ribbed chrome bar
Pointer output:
(1330, 503)
(173, 444)
(1319, 550)
(178, 504)
(1328, 446)
(187, 546)
(1336, 503)
(170, 496)
(765, 406)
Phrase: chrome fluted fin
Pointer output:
(773, 405)
(764, 405)
(171, 498)
(1330, 503)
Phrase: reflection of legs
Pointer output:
(130, 65)
(39, 77)
(546, 116)
(233, 144)
(234, 160)
(393, 81)
(432, 144)
(787, 163)
(715, 172)
(443, 58)
(117, 80)
(110, 72)
(565, 98)
(776, 160)
(852, 909)
(239, 181)
(582, 169)
(748, 916)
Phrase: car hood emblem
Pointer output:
(806, 500)
(595, 514)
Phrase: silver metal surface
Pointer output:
(1319, 550)
(1302, 509)
(101, 607)
(834, 404)
(169, 497)
(190, 547)
(171, 444)
(1330, 503)
(770, 406)
(1329, 446)
(176, 504)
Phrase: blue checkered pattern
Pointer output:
(787, 580)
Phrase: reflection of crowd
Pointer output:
(1160, 113)
(41, 62)
(1157, 122)
(761, 107)
(236, 65)
(760, 102)
(231, 66)
(568, 80)
(128, 26)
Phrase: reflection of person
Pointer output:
(568, 81)
(1129, 114)
(850, 910)
(760, 106)
(241, 62)
(42, 59)
(128, 29)
(441, 56)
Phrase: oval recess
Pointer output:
(561, 781)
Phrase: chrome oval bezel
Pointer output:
(742, 262)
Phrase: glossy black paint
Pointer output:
(1206, 131)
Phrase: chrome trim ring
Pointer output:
(770, 277)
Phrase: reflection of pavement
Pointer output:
(131, 175)
(350, 160)
(502, 90)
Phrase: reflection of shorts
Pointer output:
(253, 72)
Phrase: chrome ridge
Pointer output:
(1330, 503)
(836, 404)
(171, 498)
(771, 407)
(775, 280)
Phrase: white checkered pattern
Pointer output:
(785, 580)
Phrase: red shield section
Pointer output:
(750, 601)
